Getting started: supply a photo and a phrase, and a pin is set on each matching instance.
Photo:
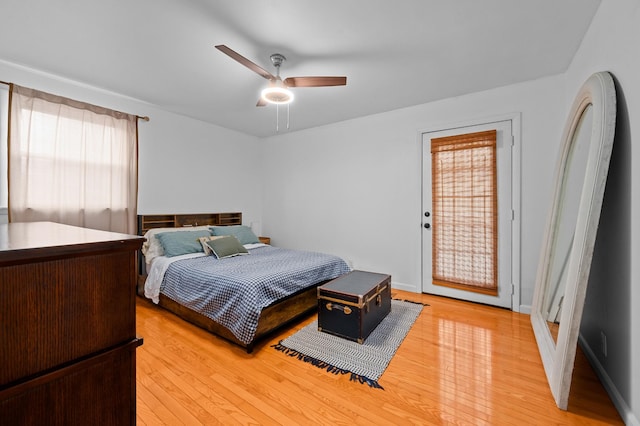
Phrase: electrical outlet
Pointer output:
(603, 343)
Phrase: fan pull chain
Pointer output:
(278, 117)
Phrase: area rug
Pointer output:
(365, 362)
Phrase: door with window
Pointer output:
(467, 213)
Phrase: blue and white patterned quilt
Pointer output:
(233, 291)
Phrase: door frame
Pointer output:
(516, 128)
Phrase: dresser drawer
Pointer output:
(60, 310)
(98, 390)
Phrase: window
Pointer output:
(465, 219)
(4, 128)
(71, 162)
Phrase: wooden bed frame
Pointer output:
(271, 318)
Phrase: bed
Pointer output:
(220, 276)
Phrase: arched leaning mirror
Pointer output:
(567, 249)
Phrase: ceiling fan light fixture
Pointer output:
(277, 95)
(278, 91)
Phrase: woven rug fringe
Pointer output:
(326, 366)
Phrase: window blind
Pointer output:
(465, 219)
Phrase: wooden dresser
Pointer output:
(68, 331)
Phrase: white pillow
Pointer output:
(152, 248)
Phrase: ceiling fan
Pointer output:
(278, 91)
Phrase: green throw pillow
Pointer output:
(181, 242)
(243, 233)
(226, 247)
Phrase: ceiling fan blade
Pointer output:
(315, 81)
(246, 62)
(261, 102)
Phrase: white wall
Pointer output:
(185, 165)
(613, 295)
(354, 188)
(188, 166)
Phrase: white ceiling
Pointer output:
(394, 53)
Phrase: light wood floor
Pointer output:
(461, 363)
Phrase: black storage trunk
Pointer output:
(352, 306)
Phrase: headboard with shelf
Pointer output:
(150, 221)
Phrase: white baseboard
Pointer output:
(628, 417)
(404, 287)
(525, 309)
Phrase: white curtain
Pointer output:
(71, 162)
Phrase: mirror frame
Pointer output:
(558, 356)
